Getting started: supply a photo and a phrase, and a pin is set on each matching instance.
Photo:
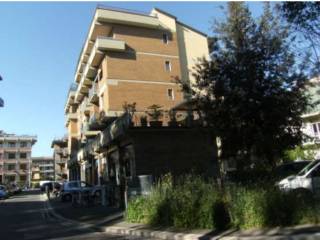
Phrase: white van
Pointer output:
(307, 180)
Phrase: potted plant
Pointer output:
(130, 109)
(155, 112)
(143, 121)
(173, 119)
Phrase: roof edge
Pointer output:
(165, 13)
(193, 29)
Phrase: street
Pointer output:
(24, 216)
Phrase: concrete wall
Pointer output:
(192, 47)
(178, 151)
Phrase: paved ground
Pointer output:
(24, 217)
(95, 214)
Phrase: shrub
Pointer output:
(189, 203)
(136, 210)
(192, 203)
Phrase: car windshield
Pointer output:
(308, 167)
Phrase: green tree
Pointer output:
(304, 21)
(251, 91)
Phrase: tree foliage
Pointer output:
(304, 20)
(251, 91)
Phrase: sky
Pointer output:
(40, 43)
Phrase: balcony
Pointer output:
(61, 161)
(101, 45)
(71, 96)
(125, 17)
(85, 106)
(116, 129)
(97, 122)
(93, 94)
(63, 152)
(71, 116)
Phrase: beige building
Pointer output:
(127, 57)
(15, 158)
(42, 169)
(60, 156)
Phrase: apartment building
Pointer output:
(311, 119)
(128, 57)
(42, 169)
(60, 156)
(15, 158)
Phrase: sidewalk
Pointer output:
(111, 221)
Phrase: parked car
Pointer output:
(3, 192)
(13, 188)
(68, 188)
(291, 168)
(306, 181)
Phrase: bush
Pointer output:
(189, 203)
(192, 203)
(266, 206)
(136, 210)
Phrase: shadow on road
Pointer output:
(24, 216)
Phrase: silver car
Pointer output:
(71, 187)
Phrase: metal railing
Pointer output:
(93, 93)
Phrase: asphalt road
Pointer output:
(24, 217)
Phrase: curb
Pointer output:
(152, 234)
(165, 235)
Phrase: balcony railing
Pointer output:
(113, 131)
(93, 94)
(117, 128)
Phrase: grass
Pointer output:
(190, 202)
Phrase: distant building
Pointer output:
(60, 156)
(15, 158)
(42, 169)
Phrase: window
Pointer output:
(316, 172)
(315, 127)
(23, 178)
(23, 144)
(170, 94)
(11, 155)
(168, 66)
(23, 166)
(165, 38)
(11, 167)
(23, 155)
(11, 144)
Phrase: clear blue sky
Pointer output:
(39, 47)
